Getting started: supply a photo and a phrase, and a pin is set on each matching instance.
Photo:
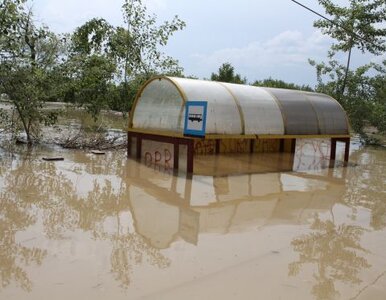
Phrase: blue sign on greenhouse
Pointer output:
(195, 118)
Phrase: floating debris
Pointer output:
(53, 158)
(97, 152)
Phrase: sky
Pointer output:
(261, 38)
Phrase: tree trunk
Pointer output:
(346, 73)
(23, 121)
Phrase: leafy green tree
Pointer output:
(140, 50)
(378, 117)
(90, 67)
(361, 92)
(27, 56)
(127, 57)
(226, 73)
(364, 98)
(355, 26)
(274, 83)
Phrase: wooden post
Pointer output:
(281, 147)
(176, 154)
(293, 145)
(332, 152)
(346, 150)
(217, 146)
(190, 157)
(139, 146)
(252, 146)
(128, 144)
(333, 149)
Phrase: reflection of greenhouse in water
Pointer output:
(172, 207)
(240, 120)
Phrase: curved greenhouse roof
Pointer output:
(235, 109)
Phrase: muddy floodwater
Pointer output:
(105, 227)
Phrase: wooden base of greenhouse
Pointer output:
(175, 151)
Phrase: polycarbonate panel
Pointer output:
(223, 116)
(159, 107)
(232, 108)
(261, 113)
(299, 115)
(331, 116)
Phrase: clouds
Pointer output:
(65, 16)
(278, 55)
(259, 39)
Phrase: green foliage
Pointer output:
(90, 37)
(364, 99)
(274, 83)
(98, 67)
(107, 64)
(122, 96)
(378, 109)
(140, 52)
(27, 57)
(362, 91)
(4, 119)
(355, 26)
(93, 83)
(226, 73)
(358, 25)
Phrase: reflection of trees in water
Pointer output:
(35, 188)
(128, 249)
(334, 250)
(15, 215)
(366, 185)
(132, 249)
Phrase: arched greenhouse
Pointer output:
(175, 119)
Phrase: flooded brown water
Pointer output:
(104, 227)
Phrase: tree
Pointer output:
(335, 251)
(140, 49)
(360, 91)
(364, 99)
(355, 26)
(127, 57)
(378, 117)
(226, 73)
(90, 66)
(27, 56)
(274, 83)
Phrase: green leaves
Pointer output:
(364, 99)
(274, 83)
(28, 56)
(226, 73)
(362, 91)
(92, 37)
(357, 25)
(106, 63)
(98, 67)
(141, 52)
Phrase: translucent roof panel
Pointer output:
(237, 109)
(261, 113)
(159, 107)
(299, 115)
(223, 116)
(331, 116)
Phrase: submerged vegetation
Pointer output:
(100, 66)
